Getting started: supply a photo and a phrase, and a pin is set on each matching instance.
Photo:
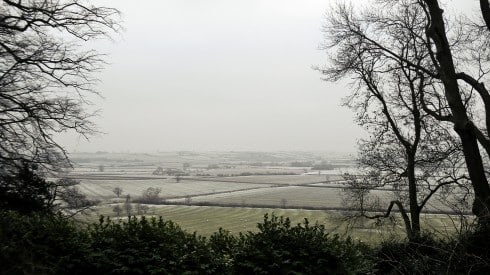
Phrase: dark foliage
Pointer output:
(421, 256)
(40, 244)
(25, 191)
(52, 244)
(280, 248)
(47, 244)
(147, 246)
(465, 254)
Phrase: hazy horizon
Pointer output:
(219, 76)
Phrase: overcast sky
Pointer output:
(219, 75)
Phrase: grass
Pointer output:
(205, 220)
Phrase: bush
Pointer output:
(279, 248)
(53, 244)
(148, 246)
(40, 244)
(464, 254)
(420, 256)
(25, 190)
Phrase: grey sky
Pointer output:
(219, 75)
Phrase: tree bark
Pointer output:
(485, 11)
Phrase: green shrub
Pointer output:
(279, 248)
(148, 246)
(25, 190)
(40, 244)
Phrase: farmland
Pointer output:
(233, 190)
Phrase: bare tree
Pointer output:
(46, 77)
(75, 199)
(66, 190)
(118, 191)
(127, 205)
(117, 209)
(151, 195)
(141, 209)
(471, 73)
(449, 94)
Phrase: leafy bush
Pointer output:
(53, 244)
(279, 248)
(40, 244)
(25, 190)
(148, 246)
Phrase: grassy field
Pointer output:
(206, 220)
(229, 198)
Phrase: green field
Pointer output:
(205, 220)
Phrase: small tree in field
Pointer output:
(117, 209)
(118, 191)
(151, 195)
(284, 202)
(127, 205)
(141, 209)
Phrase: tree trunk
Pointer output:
(447, 72)
(412, 192)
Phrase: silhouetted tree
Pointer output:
(411, 36)
(118, 191)
(158, 171)
(141, 209)
(151, 195)
(45, 76)
(74, 198)
(117, 209)
(127, 205)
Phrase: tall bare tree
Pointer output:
(460, 68)
(46, 75)
(448, 58)
(408, 151)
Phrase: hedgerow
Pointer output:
(53, 244)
